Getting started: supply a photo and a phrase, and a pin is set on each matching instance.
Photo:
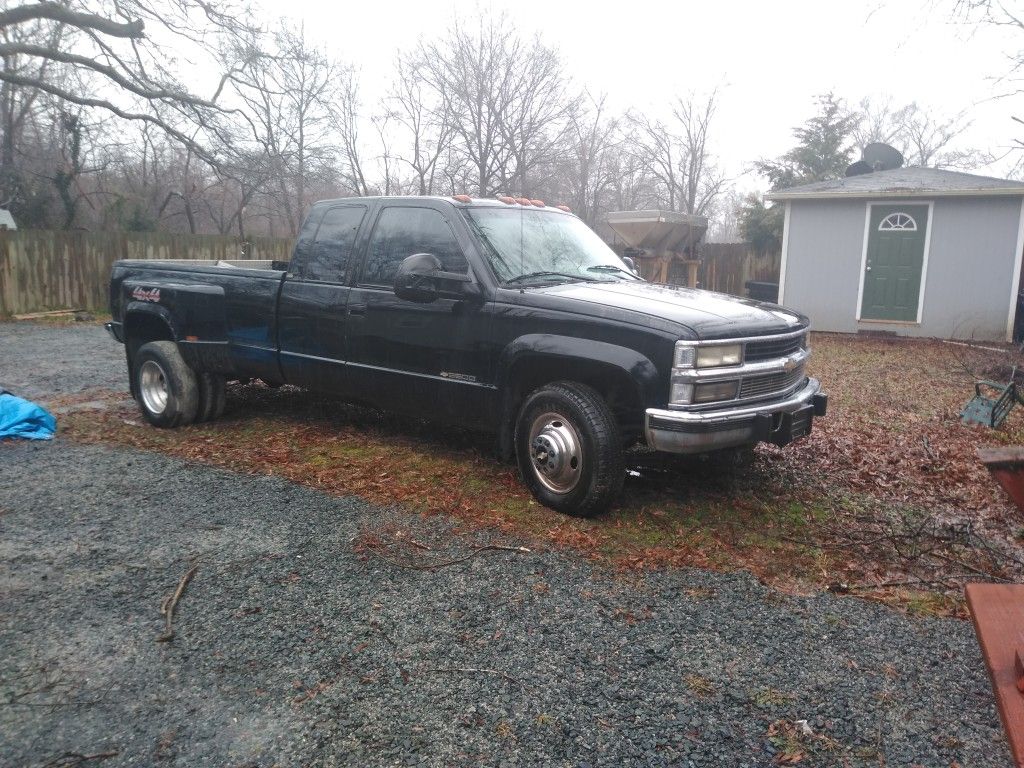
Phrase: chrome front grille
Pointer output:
(771, 384)
(772, 367)
(769, 350)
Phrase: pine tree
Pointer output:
(824, 149)
(761, 225)
(823, 152)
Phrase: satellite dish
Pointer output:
(859, 168)
(881, 157)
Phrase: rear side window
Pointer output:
(332, 247)
(401, 232)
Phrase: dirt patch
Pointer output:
(885, 499)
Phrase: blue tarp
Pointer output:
(20, 418)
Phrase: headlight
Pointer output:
(719, 355)
(712, 392)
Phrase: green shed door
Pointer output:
(895, 256)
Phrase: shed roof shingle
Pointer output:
(903, 182)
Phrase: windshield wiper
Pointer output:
(545, 273)
(612, 267)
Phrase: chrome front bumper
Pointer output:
(779, 422)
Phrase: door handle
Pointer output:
(357, 309)
(868, 268)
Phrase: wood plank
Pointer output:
(997, 611)
(1006, 463)
(1009, 456)
(52, 313)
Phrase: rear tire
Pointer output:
(168, 394)
(569, 450)
(212, 396)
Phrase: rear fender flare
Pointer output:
(134, 311)
(194, 317)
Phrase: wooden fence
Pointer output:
(726, 267)
(42, 270)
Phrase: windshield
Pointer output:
(524, 245)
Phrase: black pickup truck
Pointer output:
(503, 315)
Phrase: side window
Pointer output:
(401, 232)
(332, 247)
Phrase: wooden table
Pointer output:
(998, 614)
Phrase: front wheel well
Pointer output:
(618, 389)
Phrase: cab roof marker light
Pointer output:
(565, 208)
(538, 203)
(462, 198)
(523, 200)
(507, 200)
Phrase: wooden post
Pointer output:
(691, 272)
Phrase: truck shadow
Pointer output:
(650, 476)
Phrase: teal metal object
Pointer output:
(990, 409)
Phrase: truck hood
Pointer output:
(709, 315)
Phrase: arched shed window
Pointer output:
(897, 220)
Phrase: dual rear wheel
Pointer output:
(169, 392)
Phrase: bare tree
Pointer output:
(503, 99)
(106, 42)
(289, 94)
(924, 138)
(724, 226)
(1001, 14)
(18, 104)
(880, 121)
(632, 186)
(590, 170)
(678, 155)
(347, 120)
(534, 107)
(998, 13)
(420, 114)
(461, 68)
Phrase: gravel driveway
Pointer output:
(39, 361)
(293, 646)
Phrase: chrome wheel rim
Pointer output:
(556, 452)
(153, 387)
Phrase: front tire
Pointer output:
(168, 394)
(568, 449)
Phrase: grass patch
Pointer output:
(795, 741)
(700, 686)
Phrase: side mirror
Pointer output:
(628, 261)
(421, 278)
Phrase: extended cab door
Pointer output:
(427, 359)
(312, 308)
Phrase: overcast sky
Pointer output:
(767, 59)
